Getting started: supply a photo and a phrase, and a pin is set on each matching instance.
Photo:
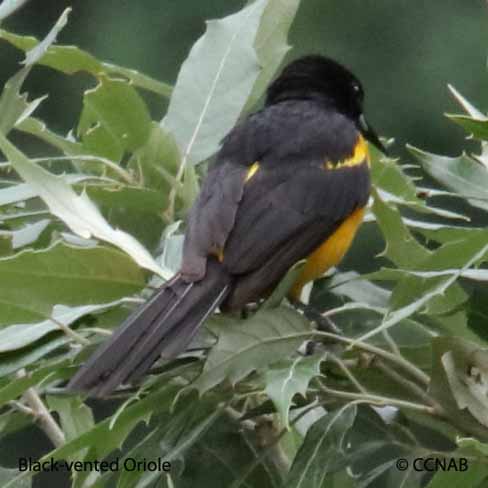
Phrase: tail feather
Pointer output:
(163, 326)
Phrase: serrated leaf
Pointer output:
(271, 43)
(462, 174)
(401, 247)
(34, 281)
(171, 440)
(288, 377)
(114, 119)
(77, 211)
(244, 346)
(322, 449)
(214, 83)
(387, 175)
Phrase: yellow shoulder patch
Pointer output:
(359, 155)
(251, 171)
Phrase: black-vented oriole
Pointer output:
(290, 182)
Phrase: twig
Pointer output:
(42, 414)
(21, 407)
(342, 365)
(393, 358)
(377, 399)
(409, 385)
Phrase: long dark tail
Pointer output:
(163, 326)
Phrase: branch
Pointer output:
(42, 414)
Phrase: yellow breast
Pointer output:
(328, 254)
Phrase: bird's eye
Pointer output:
(356, 88)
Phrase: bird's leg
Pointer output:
(324, 324)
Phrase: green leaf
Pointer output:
(401, 247)
(288, 377)
(11, 362)
(388, 175)
(76, 418)
(134, 210)
(171, 439)
(32, 282)
(271, 42)
(114, 119)
(158, 161)
(8, 475)
(25, 235)
(224, 67)
(322, 449)
(71, 59)
(16, 387)
(20, 335)
(462, 174)
(477, 127)
(244, 346)
(457, 382)
(473, 445)
(474, 477)
(77, 211)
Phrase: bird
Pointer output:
(290, 182)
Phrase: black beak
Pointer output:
(369, 133)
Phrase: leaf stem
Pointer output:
(42, 414)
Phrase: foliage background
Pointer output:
(404, 55)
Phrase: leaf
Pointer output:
(288, 377)
(214, 83)
(77, 211)
(134, 210)
(466, 368)
(436, 289)
(71, 60)
(76, 418)
(20, 335)
(457, 378)
(18, 386)
(24, 191)
(468, 444)
(27, 234)
(32, 282)
(474, 477)
(322, 449)
(8, 475)
(11, 362)
(158, 160)
(271, 42)
(388, 175)
(35, 53)
(401, 247)
(244, 346)
(462, 174)
(171, 440)
(114, 119)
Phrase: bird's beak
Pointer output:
(370, 134)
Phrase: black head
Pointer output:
(320, 78)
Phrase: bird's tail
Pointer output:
(163, 326)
